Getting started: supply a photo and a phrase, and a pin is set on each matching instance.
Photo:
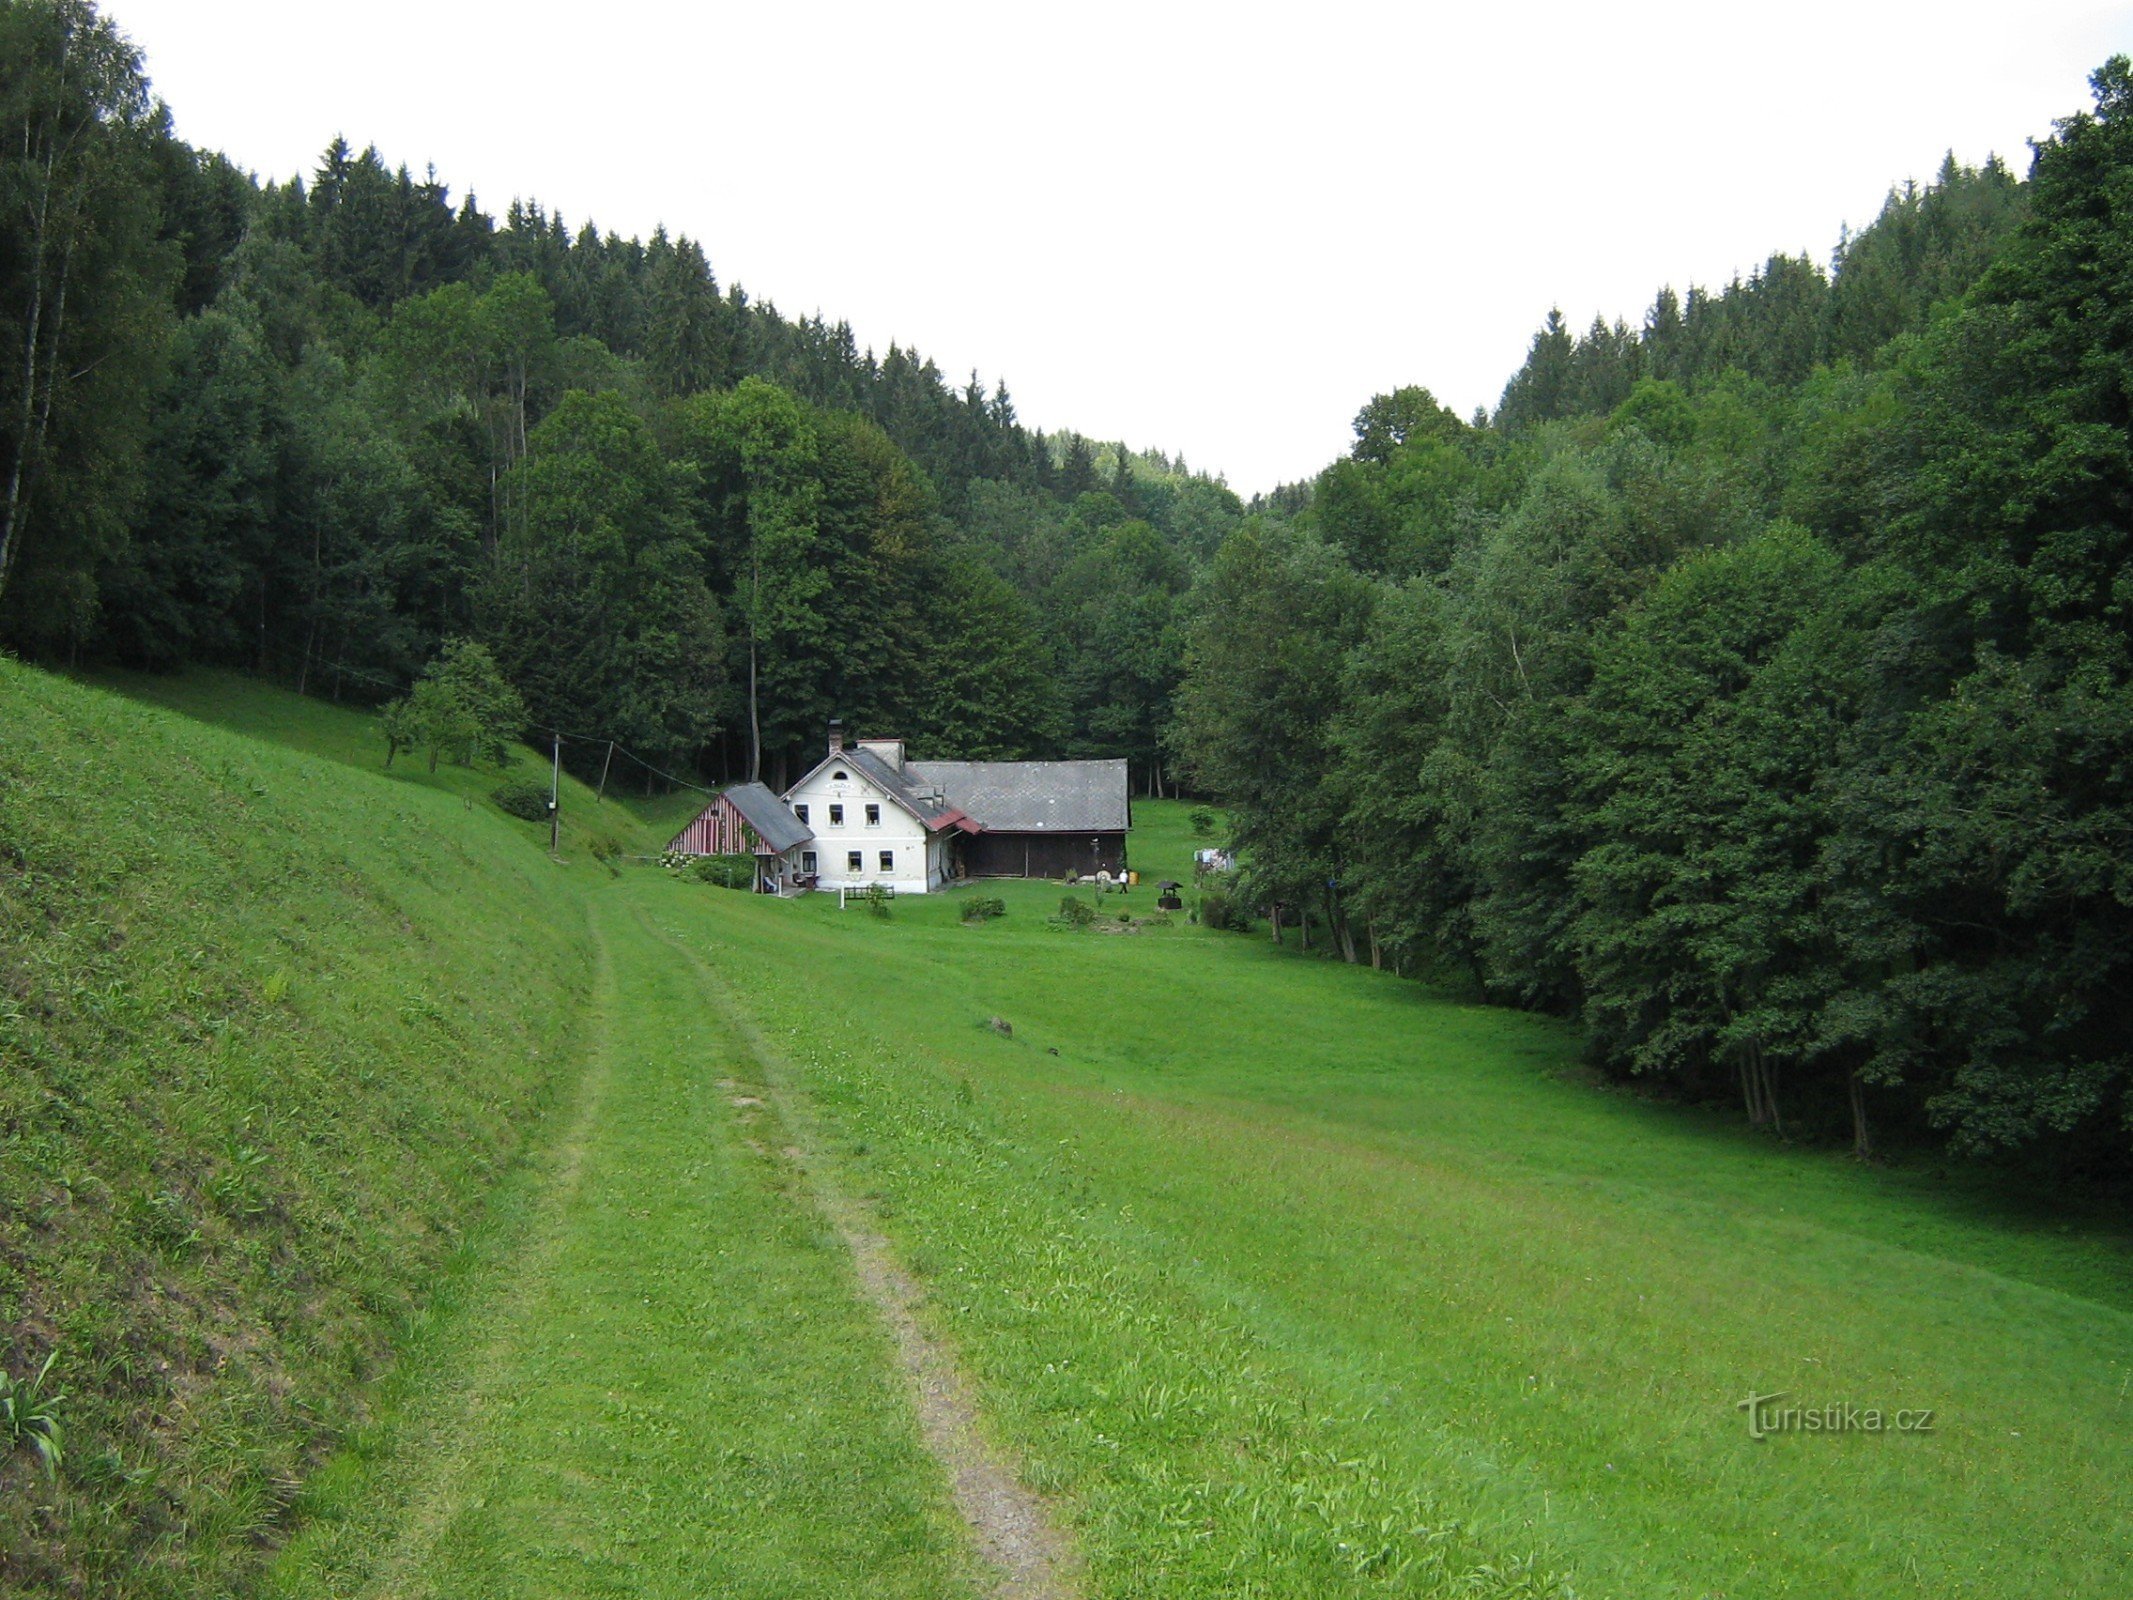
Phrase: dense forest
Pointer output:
(315, 429)
(1752, 685)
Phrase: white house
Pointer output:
(871, 822)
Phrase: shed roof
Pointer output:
(1030, 796)
(771, 817)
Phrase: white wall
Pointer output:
(917, 858)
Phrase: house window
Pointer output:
(888, 861)
(873, 816)
(800, 812)
(837, 777)
(836, 816)
(854, 861)
(807, 862)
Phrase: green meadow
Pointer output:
(473, 1200)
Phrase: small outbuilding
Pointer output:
(749, 820)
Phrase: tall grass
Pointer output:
(270, 1030)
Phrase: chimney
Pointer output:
(836, 735)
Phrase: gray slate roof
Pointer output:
(771, 817)
(913, 795)
(1029, 796)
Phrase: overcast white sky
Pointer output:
(1209, 228)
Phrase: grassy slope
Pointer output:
(266, 1047)
(1275, 1263)
(280, 1034)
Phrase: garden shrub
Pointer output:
(983, 907)
(522, 799)
(728, 872)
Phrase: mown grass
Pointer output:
(671, 1389)
(1283, 1278)
(1277, 1270)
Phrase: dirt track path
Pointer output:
(1027, 1554)
(1014, 1531)
(669, 1384)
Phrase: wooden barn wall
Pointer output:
(1041, 855)
(718, 832)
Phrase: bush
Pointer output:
(728, 872)
(983, 907)
(1076, 912)
(523, 799)
(1204, 822)
(1220, 911)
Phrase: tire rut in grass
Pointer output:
(1029, 1557)
(440, 1492)
(1014, 1533)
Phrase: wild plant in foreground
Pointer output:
(29, 1415)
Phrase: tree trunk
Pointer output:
(1337, 928)
(1764, 1078)
(755, 724)
(1274, 912)
(1862, 1142)
(27, 430)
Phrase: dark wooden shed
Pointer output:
(1035, 819)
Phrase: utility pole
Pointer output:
(555, 795)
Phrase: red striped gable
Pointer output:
(719, 830)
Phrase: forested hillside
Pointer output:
(315, 428)
(1754, 686)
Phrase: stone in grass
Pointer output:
(1001, 1026)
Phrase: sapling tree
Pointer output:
(461, 707)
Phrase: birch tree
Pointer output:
(83, 278)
